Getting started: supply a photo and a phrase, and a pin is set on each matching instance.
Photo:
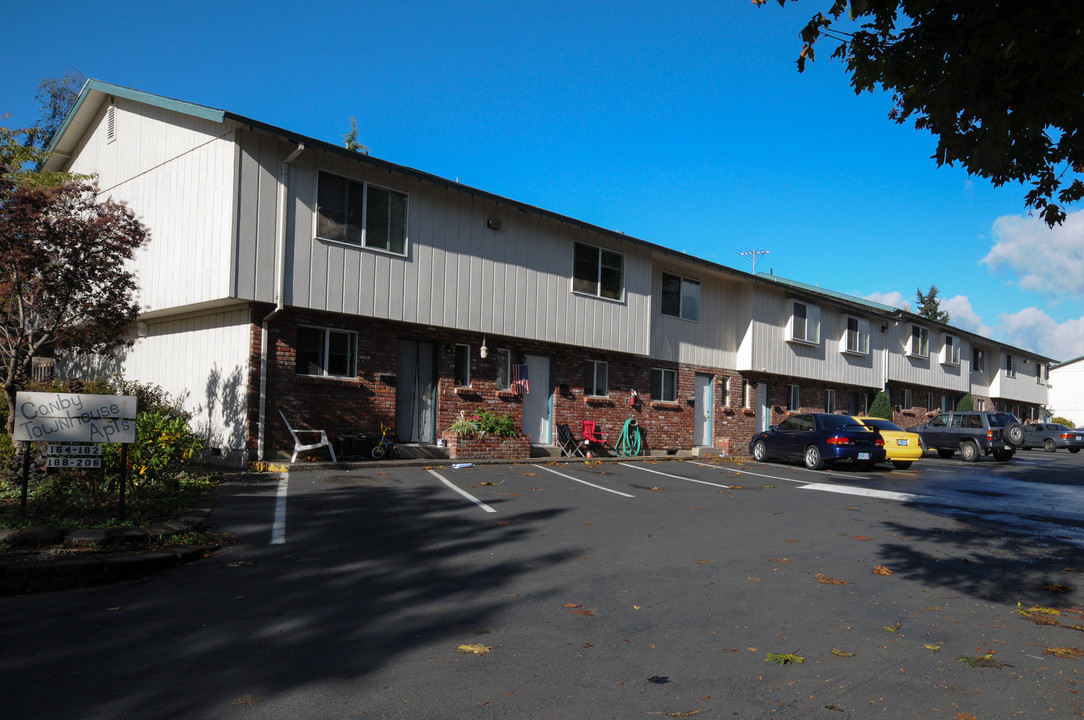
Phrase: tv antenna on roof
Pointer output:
(754, 254)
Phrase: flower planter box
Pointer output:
(488, 446)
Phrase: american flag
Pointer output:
(519, 380)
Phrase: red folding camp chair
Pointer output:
(592, 436)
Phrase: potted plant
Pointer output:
(486, 434)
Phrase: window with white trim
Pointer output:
(1010, 366)
(1039, 373)
(598, 272)
(462, 365)
(724, 390)
(920, 342)
(855, 336)
(360, 213)
(746, 394)
(325, 352)
(504, 369)
(906, 404)
(663, 385)
(829, 400)
(950, 351)
(805, 323)
(978, 360)
(795, 399)
(594, 378)
(680, 297)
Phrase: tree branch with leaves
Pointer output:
(997, 82)
(64, 279)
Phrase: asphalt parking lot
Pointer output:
(592, 590)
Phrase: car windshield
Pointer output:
(1002, 419)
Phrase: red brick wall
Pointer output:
(360, 404)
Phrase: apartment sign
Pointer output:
(70, 417)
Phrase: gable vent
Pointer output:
(111, 123)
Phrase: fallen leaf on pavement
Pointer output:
(476, 648)
(829, 581)
(1063, 652)
(881, 570)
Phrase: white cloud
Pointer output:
(1032, 329)
(963, 316)
(894, 298)
(1041, 259)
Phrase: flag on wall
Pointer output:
(519, 380)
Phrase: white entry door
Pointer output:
(537, 405)
(704, 407)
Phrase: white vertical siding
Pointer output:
(771, 351)
(713, 340)
(176, 173)
(458, 273)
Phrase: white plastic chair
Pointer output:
(300, 446)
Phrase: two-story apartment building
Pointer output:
(286, 273)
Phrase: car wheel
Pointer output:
(1003, 455)
(760, 453)
(946, 453)
(969, 452)
(901, 464)
(1074, 450)
(813, 458)
(1049, 445)
(1013, 433)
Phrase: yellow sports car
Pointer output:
(901, 447)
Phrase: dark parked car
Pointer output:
(1051, 436)
(973, 434)
(820, 438)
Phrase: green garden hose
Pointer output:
(628, 443)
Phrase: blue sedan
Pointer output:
(820, 438)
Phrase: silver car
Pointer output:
(1051, 436)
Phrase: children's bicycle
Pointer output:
(386, 448)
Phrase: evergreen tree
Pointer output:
(966, 404)
(929, 306)
(881, 406)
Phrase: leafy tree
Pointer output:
(881, 406)
(966, 404)
(995, 81)
(929, 306)
(63, 280)
(56, 95)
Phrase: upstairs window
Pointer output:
(805, 323)
(856, 336)
(598, 272)
(1010, 366)
(950, 353)
(1039, 373)
(680, 297)
(920, 342)
(325, 352)
(978, 360)
(361, 214)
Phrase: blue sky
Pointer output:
(685, 124)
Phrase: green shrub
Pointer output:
(1062, 421)
(881, 407)
(485, 422)
(966, 404)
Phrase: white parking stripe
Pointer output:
(749, 472)
(679, 477)
(867, 492)
(278, 526)
(583, 482)
(464, 493)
